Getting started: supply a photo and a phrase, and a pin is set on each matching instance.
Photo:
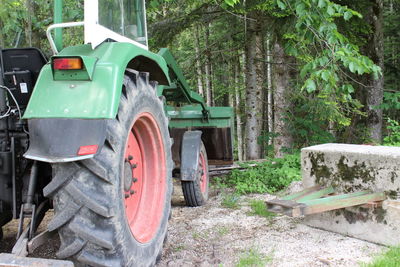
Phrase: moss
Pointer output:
(350, 216)
(393, 176)
(380, 215)
(353, 217)
(318, 167)
(392, 194)
(349, 173)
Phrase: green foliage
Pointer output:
(14, 18)
(266, 177)
(327, 55)
(258, 208)
(392, 44)
(231, 2)
(391, 104)
(325, 37)
(306, 124)
(390, 259)
(230, 200)
(253, 258)
(393, 136)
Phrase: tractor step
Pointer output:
(10, 260)
(317, 200)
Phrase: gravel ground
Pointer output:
(214, 235)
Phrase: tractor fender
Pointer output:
(93, 93)
(56, 140)
(68, 109)
(190, 152)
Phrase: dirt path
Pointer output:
(214, 235)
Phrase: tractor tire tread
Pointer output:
(64, 216)
(192, 189)
(60, 179)
(82, 215)
(71, 249)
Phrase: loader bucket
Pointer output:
(217, 130)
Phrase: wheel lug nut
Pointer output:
(134, 166)
(127, 195)
(130, 157)
(134, 180)
(133, 192)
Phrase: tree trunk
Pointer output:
(243, 67)
(208, 66)
(2, 42)
(199, 69)
(254, 87)
(281, 100)
(375, 87)
(28, 26)
(238, 111)
(270, 115)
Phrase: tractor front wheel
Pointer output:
(113, 210)
(196, 192)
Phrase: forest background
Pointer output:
(297, 72)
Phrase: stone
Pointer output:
(354, 168)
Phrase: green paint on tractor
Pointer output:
(98, 98)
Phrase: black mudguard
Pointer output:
(59, 140)
(190, 152)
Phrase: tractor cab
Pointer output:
(117, 20)
(127, 18)
(105, 20)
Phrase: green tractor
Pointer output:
(105, 127)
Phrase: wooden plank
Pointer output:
(300, 194)
(283, 203)
(287, 207)
(318, 194)
(342, 201)
(332, 198)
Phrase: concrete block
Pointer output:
(352, 168)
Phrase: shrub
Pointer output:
(266, 177)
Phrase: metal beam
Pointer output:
(58, 18)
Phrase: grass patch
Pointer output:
(200, 235)
(253, 258)
(389, 259)
(179, 248)
(223, 230)
(269, 176)
(230, 200)
(258, 208)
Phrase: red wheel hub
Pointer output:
(145, 194)
(204, 174)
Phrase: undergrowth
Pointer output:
(393, 135)
(253, 258)
(269, 176)
(258, 209)
(390, 259)
(230, 200)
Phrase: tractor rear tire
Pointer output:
(113, 210)
(196, 192)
